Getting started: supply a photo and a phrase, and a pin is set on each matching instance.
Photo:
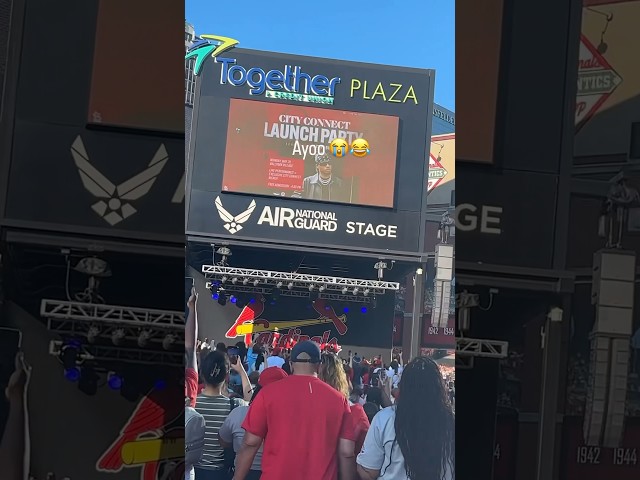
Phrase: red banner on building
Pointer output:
(505, 449)
(439, 337)
(592, 462)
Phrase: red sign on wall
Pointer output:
(505, 447)
(586, 462)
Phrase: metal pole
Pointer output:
(551, 356)
(417, 310)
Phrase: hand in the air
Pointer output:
(193, 299)
(19, 379)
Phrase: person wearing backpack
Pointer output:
(194, 423)
(215, 407)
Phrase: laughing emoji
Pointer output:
(339, 147)
(360, 147)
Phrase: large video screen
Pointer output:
(285, 150)
(132, 84)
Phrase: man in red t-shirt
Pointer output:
(306, 426)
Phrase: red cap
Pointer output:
(270, 375)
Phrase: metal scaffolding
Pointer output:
(299, 280)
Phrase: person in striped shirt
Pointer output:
(214, 407)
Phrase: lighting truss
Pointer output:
(474, 347)
(285, 292)
(75, 319)
(109, 354)
(300, 280)
(464, 362)
(164, 321)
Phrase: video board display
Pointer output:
(130, 84)
(310, 153)
(272, 155)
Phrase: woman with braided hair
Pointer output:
(415, 438)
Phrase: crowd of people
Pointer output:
(305, 412)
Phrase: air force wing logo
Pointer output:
(234, 224)
(114, 205)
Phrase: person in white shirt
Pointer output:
(408, 441)
(275, 359)
(395, 373)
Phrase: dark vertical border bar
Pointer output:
(8, 105)
(502, 96)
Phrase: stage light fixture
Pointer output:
(114, 381)
(312, 287)
(93, 333)
(290, 286)
(363, 310)
(88, 383)
(234, 280)
(222, 297)
(322, 288)
(143, 338)
(69, 356)
(72, 374)
(274, 296)
(279, 285)
(345, 309)
(256, 282)
(224, 279)
(356, 290)
(168, 341)
(117, 337)
(345, 290)
(245, 281)
(366, 292)
(233, 299)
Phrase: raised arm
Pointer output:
(15, 444)
(247, 389)
(191, 331)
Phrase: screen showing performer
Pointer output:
(310, 153)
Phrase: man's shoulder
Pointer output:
(237, 414)
(385, 415)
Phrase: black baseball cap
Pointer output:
(305, 352)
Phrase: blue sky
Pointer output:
(410, 33)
